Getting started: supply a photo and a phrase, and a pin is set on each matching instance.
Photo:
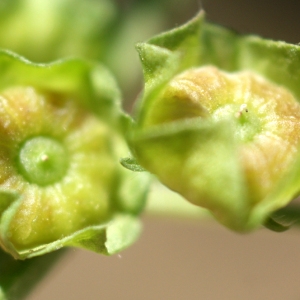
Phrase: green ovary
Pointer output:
(43, 160)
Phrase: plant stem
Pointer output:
(18, 277)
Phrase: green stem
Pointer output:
(18, 277)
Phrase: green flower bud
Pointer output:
(217, 129)
(60, 180)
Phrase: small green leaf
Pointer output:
(131, 164)
(273, 225)
(122, 233)
(284, 218)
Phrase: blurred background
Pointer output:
(178, 260)
(107, 30)
(175, 258)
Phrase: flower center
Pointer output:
(42, 160)
(246, 122)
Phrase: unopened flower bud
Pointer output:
(60, 181)
(237, 137)
(224, 136)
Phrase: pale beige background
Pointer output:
(179, 260)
